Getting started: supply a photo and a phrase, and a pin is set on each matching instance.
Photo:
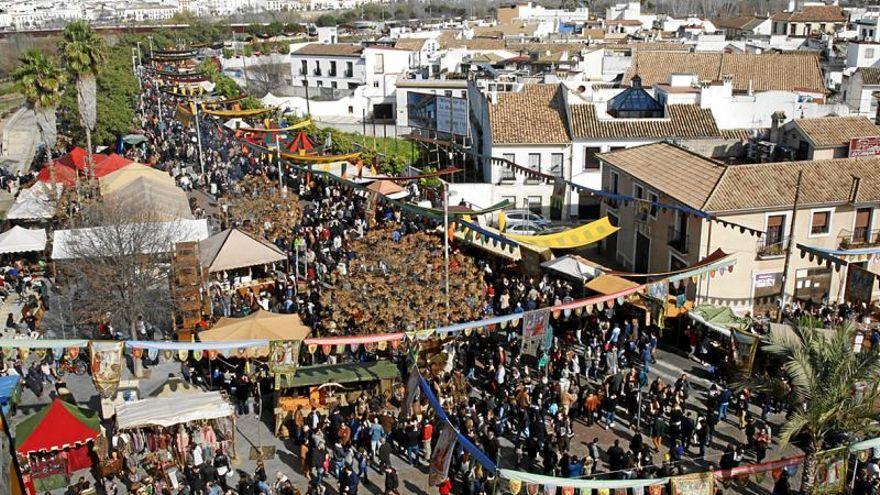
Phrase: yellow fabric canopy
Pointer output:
(258, 326)
(239, 113)
(610, 284)
(320, 158)
(571, 238)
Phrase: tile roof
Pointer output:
(331, 49)
(683, 121)
(765, 72)
(772, 185)
(815, 13)
(683, 175)
(870, 75)
(737, 22)
(412, 44)
(827, 132)
(660, 46)
(707, 185)
(536, 115)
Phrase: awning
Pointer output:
(718, 318)
(34, 203)
(610, 284)
(170, 411)
(65, 242)
(308, 376)
(260, 325)
(57, 426)
(21, 240)
(234, 248)
(572, 238)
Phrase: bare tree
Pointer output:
(267, 78)
(118, 267)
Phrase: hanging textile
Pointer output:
(535, 325)
(106, 365)
(412, 392)
(583, 235)
(283, 360)
(442, 456)
(693, 484)
(831, 471)
(524, 477)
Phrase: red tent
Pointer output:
(302, 142)
(76, 159)
(64, 175)
(111, 163)
(59, 426)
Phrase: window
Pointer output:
(821, 223)
(535, 161)
(590, 160)
(556, 164)
(869, 52)
(304, 69)
(320, 84)
(375, 84)
(533, 203)
(350, 109)
(332, 68)
(507, 172)
(333, 84)
(775, 229)
(349, 69)
(638, 191)
(615, 182)
(654, 200)
(380, 64)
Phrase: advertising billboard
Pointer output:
(864, 146)
(437, 113)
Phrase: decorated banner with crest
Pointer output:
(693, 484)
(412, 392)
(106, 365)
(535, 325)
(442, 456)
(284, 359)
(831, 471)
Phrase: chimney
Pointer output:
(775, 119)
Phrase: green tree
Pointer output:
(41, 80)
(223, 83)
(830, 389)
(83, 53)
(326, 20)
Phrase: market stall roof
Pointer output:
(172, 410)
(575, 266)
(57, 426)
(719, 318)
(262, 325)
(21, 240)
(75, 159)
(9, 389)
(117, 180)
(163, 201)
(112, 163)
(34, 203)
(610, 284)
(234, 248)
(64, 175)
(134, 139)
(307, 376)
(385, 187)
(64, 241)
(236, 123)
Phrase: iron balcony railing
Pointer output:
(769, 247)
(859, 238)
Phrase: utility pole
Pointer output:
(789, 244)
(446, 242)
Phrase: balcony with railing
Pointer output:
(678, 240)
(316, 72)
(771, 247)
(858, 238)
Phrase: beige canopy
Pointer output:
(119, 179)
(233, 248)
(262, 325)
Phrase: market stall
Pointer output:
(237, 260)
(54, 443)
(262, 325)
(161, 434)
(326, 386)
(21, 240)
(10, 392)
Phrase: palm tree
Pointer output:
(83, 51)
(41, 80)
(829, 388)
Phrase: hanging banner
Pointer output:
(106, 365)
(442, 457)
(283, 359)
(831, 471)
(412, 392)
(535, 325)
(745, 347)
(785, 462)
(693, 484)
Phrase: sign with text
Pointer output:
(437, 113)
(864, 146)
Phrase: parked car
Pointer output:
(525, 216)
(525, 229)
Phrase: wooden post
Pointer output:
(789, 243)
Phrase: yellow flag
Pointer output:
(502, 221)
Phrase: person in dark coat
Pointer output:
(392, 482)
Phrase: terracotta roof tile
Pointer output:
(412, 44)
(870, 75)
(685, 176)
(766, 72)
(827, 132)
(815, 13)
(683, 121)
(331, 50)
(772, 185)
(536, 115)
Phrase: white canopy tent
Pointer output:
(172, 410)
(21, 240)
(236, 123)
(34, 203)
(575, 266)
(65, 241)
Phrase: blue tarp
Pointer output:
(8, 391)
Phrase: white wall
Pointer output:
(862, 54)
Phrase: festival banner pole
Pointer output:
(280, 163)
(446, 242)
(199, 140)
